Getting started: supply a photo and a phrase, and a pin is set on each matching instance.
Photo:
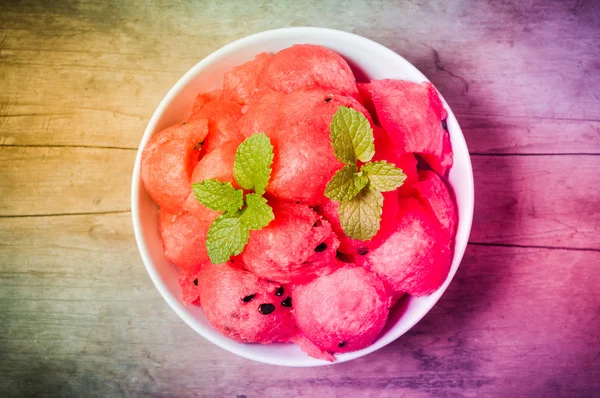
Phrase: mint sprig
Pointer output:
(229, 233)
(359, 191)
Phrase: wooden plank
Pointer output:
(116, 80)
(40, 180)
(79, 316)
(537, 200)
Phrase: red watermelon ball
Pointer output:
(243, 307)
(190, 294)
(167, 163)
(239, 83)
(296, 246)
(223, 117)
(411, 113)
(184, 239)
(217, 165)
(435, 194)
(306, 65)
(416, 257)
(304, 160)
(343, 311)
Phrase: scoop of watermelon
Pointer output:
(433, 192)
(411, 113)
(416, 257)
(296, 246)
(167, 163)
(244, 307)
(306, 65)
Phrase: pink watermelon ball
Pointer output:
(296, 246)
(416, 258)
(343, 311)
(306, 65)
(411, 113)
(239, 83)
(385, 150)
(190, 294)
(184, 239)
(167, 163)
(304, 159)
(217, 165)
(243, 307)
(435, 194)
(223, 117)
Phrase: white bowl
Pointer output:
(376, 62)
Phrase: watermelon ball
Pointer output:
(190, 294)
(412, 115)
(296, 246)
(217, 165)
(304, 160)
(343, 311)
(223, 117)
(184, 239)
(416, 257)
(244, 307)
(306, 65)
(435, 194)
(168, 160)
(239, 83)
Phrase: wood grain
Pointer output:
(80, 317)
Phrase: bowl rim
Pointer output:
(136, 184)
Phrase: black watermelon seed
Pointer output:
(297, 202)
(343, 257)
(279, 291)
(362, 251)
(249, 298)
(327, 99)
(287, 302)
(196, 282)
(444, 124)
(266, 309)
(183, 123)
(321, 248)
(343, 343)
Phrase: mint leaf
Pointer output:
(226, 237)
(361, 216)
(384, 176)
(345, 184)
(252, 165)
(258, 214)
(219, 196)
(351, 136)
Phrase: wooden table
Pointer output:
(79, 316)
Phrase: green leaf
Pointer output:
(384, 176)
(252, 165)
(258, 214)
(219, 196)
(361, 216)
(226, 237)
(345, 184)
(351, 136)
